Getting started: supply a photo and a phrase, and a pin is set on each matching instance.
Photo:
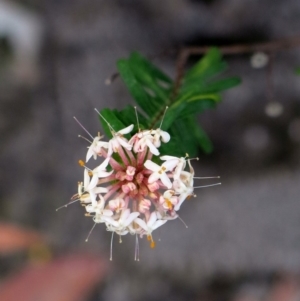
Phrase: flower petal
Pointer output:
(152, 148)
(141, 223)
(165, 180)
(152, 219)
(151, 166)
(153, 177)
(158, 223)
(126, 130)
(130, 218)
(165, 136)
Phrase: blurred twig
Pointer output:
(271, 47)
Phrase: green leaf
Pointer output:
(150, 68)
(203, 140)
(197, 106)
(213, 87)
(297, 71)
(136, 90)
(113, 120)
(128, 116)
(208, 66)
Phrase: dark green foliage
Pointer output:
(153, 91)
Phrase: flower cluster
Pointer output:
(129, 192)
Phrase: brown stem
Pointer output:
(271, 47)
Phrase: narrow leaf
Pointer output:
(213, 87)
(209, 65)
(198, 103)
(152, 69)
(136, 90)
(112, 119)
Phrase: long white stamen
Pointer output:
(163, 117)
(66, 205)
(111, 245)
(218, 177)
(110, 127)
(137, 119)
(183, 221)
(208, 185)
(83, 127)
(90, 232)
(137, 249)
(85, 139)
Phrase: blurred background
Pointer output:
(243, 240)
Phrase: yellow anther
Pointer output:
(169, 204)
(152, 243)
(90, 173)
(81, 163)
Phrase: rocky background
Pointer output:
(244, 236)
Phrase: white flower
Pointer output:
(173, 162)
(128, 191)
(95, 148)
(98, 209)
(142, 140)
(100, 171)
(117, 205)
(120, 226)
(184, 187)
(118, 140)
(169, 200)
(89, 186)
(152, 224)
(160, 135)
(159, 172)
(147, 140)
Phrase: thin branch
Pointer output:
(271, 47)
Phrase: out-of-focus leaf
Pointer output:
(180, 144)
(150, 68)
(208, 66)
(127, 116)
(135, 89)
(14, 238)
(297, 71)
(70, 278)
(213, 87)
(146, 77)
(202, 139)
(200, 103)
(113, 120)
